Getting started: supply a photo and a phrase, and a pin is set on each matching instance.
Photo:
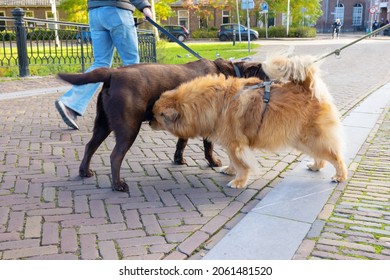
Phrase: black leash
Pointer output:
(173, 38)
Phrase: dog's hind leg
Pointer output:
(124, 140)
(101, 130)
(336, 160)
(99, 135)
(326, 148)
(316, 165)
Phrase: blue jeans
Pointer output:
(110, 27)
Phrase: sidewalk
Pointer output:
(185, 212)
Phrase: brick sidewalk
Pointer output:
(48, 211)
(355, 223)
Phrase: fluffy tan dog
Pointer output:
(300, 114)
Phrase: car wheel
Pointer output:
(253, 37)
(181, 38)
(223, 38)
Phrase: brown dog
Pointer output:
(127, 98)
(232, 113)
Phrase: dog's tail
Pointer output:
(95, 76)
(298, 69)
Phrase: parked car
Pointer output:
(179, 31)
(225, 32)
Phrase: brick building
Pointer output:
(41, 9)
(355, 15)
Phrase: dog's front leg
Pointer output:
(209, 154)
(180, 146)
(241, 168)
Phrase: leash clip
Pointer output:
(267, 91)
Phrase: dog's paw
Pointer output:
(339, 178)
(312, 167)
(227, 170)
(86, 173)
(179, 161)
(214, 162)
(121, 187)
(237, 184)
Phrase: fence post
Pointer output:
(21, 41)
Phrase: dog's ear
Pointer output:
(170, 115)
(224, 66)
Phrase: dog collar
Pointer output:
(237, 70)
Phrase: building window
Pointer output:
(29, 14)
(339, 12)
(225, 17)
(357, 15)
(50, 16)
(2, 22)
(182, 16)
(203, 22)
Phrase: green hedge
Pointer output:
(40, 34)
(7, 36)
(45, 34)
(204, 33)
(294, 32)
(273, 32)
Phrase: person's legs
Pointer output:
(75, 101)
(120, 31)
(78, 97)
(123, 33)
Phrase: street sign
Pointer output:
(264, 7)
(373, 10)
(247, 4)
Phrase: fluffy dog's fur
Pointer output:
(127, 98)
(300, 114)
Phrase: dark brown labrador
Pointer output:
(127, 99)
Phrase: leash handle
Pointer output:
(173, 38)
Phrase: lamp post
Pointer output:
(54, 12)
(238, 22)
(288, 16)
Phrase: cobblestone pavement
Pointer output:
(355, 223)
(172, 212)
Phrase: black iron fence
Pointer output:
(27, 43)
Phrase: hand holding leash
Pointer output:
(147, 12)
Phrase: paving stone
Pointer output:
(192, 243)
(107, 250)
(88, 247)
(50, 234)
(33, 227)
(29, 252)
(68, 240)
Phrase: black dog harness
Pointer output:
(266, 85)
(266, 96)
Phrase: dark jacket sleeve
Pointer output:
(140, 4)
